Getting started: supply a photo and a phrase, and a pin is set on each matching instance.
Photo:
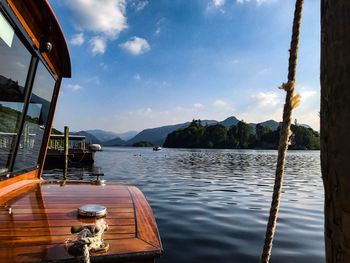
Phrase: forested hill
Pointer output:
(240, 136)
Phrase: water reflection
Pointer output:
(213, 205)
(73, 172)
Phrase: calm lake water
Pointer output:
(213, 205)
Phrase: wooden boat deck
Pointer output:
(42, 214)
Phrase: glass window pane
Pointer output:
(14, 66)
(36, 119)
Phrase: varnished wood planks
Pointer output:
(41, 217)
(61, 230)
(70, 222)
(16, 190)
(32, 217)
(146, 225)
(58, 252)
(9, 183)
(64, 210)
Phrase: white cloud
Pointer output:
(308, 110)
(233, 61)
(309, 117)
(136, 46)
(158, 26)
(269, 105)
(266, 99)
(157, 32)
(198, 105)
(259, 2)
(92, 80)
(263, 106)
(137, 76)
(215, 5)
(145, 112)
(19, 64)
(77, 39)
(139, 5)
(220, 108)
(218, 3)
(106, 17)
(307, 94)
(98, 45)
(220, 103)
(74, 87)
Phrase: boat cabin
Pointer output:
(57, 142)
(79, 152)
(36, 216)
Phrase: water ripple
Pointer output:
(213, 205)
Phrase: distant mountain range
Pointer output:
(108, 135)
(115, 142)
(156, 135)
(89, 137)
(106, 138)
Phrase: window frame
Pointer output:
(36, 56)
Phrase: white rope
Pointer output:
(89, 239)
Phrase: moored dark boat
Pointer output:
(37, 215)
(78, 152)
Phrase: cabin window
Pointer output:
(15, 62)
(36, 119)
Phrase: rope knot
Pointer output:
(287, 86)
(89, 239)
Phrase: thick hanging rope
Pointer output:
(291, 102)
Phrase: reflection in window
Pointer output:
(36, 119)
(14, 66)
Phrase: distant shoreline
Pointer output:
(245, 149)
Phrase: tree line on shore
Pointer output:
(240, 136)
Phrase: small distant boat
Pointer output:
(95, 147)
(157, 148)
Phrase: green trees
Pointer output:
(143, 144)
(261, 131)
(232, 141)
(245, 135)
(240, 136)
(265, 137)
(214, 136)
(191, 137)
(304, 138)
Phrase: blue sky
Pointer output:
(145, 63)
